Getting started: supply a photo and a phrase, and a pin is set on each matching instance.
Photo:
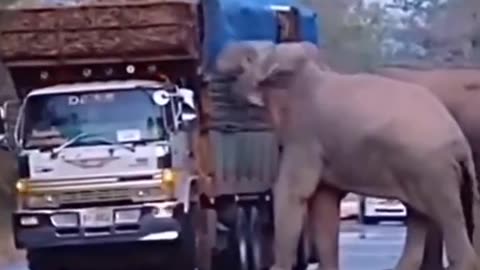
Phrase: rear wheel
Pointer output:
(260, 238)
(241, 246)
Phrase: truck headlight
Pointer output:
(41, 201)
(169, 179)
(22, 186)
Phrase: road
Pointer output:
(379, 250)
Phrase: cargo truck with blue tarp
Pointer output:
(131, 151)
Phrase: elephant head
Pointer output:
(242, 62)
(262, 72)
(261, 67)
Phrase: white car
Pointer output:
(374, 210)
(349, 206)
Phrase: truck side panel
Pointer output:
(242, 148)
(245, 162)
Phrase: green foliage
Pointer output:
(353, 33)
(359, 36)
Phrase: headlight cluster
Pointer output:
(169, 179)
(34, 200)
(163, 188)
(22, 186)
(41, 201)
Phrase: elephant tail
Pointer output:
(468, 194)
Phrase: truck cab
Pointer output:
(113, 162)
(101, 162)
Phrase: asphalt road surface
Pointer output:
(379, 249)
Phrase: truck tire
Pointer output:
(240, 244)
(302, 260)
(185, 249)
(42, 260)
(259, 241)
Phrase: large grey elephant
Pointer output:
(356, 133)
(459, 90)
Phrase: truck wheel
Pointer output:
(234, 255)
(302, 260)
(255, 242)
(41, 260)
(185, 257)
(240, 243)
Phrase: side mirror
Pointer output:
(188, 105)
(161, 97)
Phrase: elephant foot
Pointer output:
(469, 263)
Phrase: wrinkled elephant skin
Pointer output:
(358, 133)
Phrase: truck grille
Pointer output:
(87, 196)
(97, 195)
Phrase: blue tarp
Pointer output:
(236, 20)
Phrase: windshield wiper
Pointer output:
(75, 139)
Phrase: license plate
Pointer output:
(97, 218)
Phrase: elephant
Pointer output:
(459, 90)
(361, 133)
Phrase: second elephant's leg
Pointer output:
(412, 255)
(325, 220)
(445, 208)
(298, 179)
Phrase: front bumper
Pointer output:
(153, 224)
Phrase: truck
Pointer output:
(132, 153)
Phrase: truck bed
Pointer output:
(111, 30)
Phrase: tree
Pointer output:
(447, 30)
(352, 31)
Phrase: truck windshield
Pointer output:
(121, 116)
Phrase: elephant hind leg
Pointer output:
(325, 220)
(412, 255)
(445, 209)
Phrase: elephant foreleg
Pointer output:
(298, 179)
(413, 250)
(325, 218)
